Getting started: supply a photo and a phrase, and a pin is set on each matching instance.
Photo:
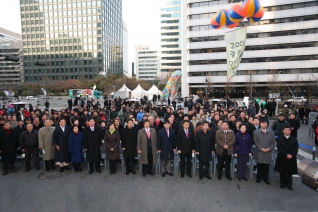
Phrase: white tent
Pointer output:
(152, 91)
(124, 89)
(138, 92)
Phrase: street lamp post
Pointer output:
(206, 84)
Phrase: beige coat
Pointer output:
(45, 141)
(142, 145)
(219, 139)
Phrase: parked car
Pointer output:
(31, 98)
(297, 99)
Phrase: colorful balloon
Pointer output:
(257, 17)
(257, 100)
(172, 85)
(231, 24)
(214, 23)
(236, 14)
(222, 17)
(263, 103)
(250, 7)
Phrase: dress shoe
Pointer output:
(200, 177)
(189, 175)
(208, 176)
(290, 187)
(61, 169)
(13, 170)
(99, 171)
(182, 175)
(219, 177)
(52, 167)
(163, 174)
(91, 171)
(245, 179)
(229, 178)
(151, 174)
(37, 168)
(133, 172)
(4, 172)
(80, 169)
(127, 173)
(47, 169)
(267, 182)
(67, 168)
(282, 186)
(258, 181)
(27, 170)
(239, 179)
(171, 174)
(144, 175)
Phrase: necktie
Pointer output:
(187, 134)
(225, 138)
(167, 132)
(263, 131)
(148, 133)
(92, 128)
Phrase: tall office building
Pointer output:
(147, 63)
(11, 73)
(77, 38)
(125, 49)
(170, 37)
(281, 48)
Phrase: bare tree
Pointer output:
(273, 82)
(296, 84)
(228, 87)
(250, 80)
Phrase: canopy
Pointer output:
(152, 91)
(138, 92)
(124, 89)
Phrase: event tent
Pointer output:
(152, 91)
(138, 92)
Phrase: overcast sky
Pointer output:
(142, 18)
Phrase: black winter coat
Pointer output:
(129, 141)
(92, 141)
(204, 145)
(295, 123)
(8, 146)
(286, 146)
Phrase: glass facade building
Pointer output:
(77, 38)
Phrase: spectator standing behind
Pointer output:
(315, 128)
(301, 113)
(9, 142)
(279, 125)
(242, 150)
(294, 124)
(264, 140)
(47, 104)
(75, 147)
(140, 114)
(29, 144)
(286, 161)
(225, 139)
(45, 143)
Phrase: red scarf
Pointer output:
(158, 122)
(8, 131)
(316, 133)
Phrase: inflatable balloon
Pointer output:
(236, 14)
(258, 16)
(172, 85)
(222, 17)
(263, 103)
(214, 23)
(250, 7)
(231, 24)
(257, 100)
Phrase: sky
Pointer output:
(141, 16)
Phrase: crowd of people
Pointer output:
(193, 129)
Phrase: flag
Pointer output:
(235, 46)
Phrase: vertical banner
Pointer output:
(235, 46)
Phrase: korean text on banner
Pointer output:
(235, 46)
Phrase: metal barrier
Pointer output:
(311, 118)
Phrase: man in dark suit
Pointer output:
(204, 148)
(166, 147)
(92, 142)
(185, 146)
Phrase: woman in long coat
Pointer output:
(286, 161)
(75, 147)
(112, 140)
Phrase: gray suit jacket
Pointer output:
(265, 141)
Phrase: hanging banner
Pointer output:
(235, 46)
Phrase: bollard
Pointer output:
(313, 152)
